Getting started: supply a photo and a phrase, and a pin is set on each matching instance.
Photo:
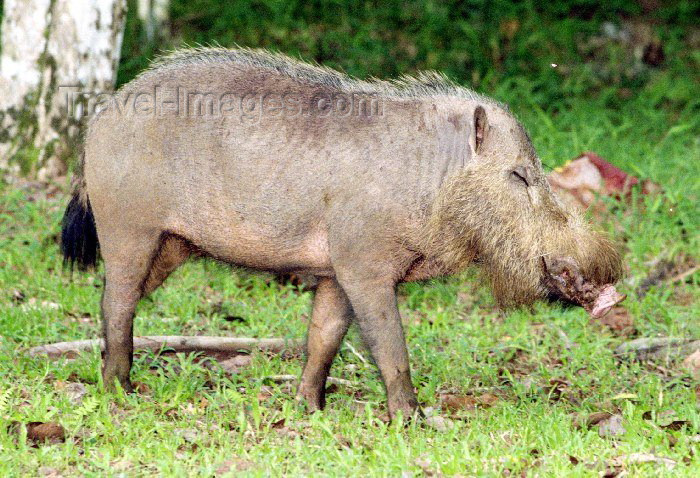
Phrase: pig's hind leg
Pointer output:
(330, 319)
(371, 289)
(128, 258)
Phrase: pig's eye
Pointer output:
(518, 176)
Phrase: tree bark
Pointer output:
(154, 15)
(51, 49)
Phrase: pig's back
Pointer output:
(262, 158)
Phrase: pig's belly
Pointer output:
(247, 245)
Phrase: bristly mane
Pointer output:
(425, 84)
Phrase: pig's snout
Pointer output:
(564, 280)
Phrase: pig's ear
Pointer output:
(480, 128)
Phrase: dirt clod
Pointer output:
(49, 432)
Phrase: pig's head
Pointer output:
(501, 213)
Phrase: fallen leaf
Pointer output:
(343, 441)
(439, 423)
(619, 321)
(141, 388)
(265, 393)
(74, 377)
(121, 466)
(40, 432)
(280, 427)
(234, 364)
(676, 425)
(190, 435)
(611, 427)
(278, 424)
(75, 391)
(557, 388)
(49, 472)
(426, 465)
(487, 399)
(591, 420)
(529, 384)
(18, 296)
(668, 420)
(237, 465)
(612, 472)
(639, 458)
(234, 318)
(692, 363)
(456, 403)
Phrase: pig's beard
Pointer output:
(470, 220)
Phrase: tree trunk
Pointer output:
(154, 15)
(52, 49)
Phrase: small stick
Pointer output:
(356, 353)
(178, 343)
(294, 378)
(683, 275)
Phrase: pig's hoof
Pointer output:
(310, 402)
(405, 405)
(407, 414)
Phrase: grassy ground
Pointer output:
(534, 374)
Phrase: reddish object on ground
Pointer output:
(581, 179)
(616, 180)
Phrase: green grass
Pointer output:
(197, 419)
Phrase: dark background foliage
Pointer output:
(489, 45)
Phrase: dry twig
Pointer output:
(178, 343)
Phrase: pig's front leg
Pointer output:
(330, 319)
(374, 305)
